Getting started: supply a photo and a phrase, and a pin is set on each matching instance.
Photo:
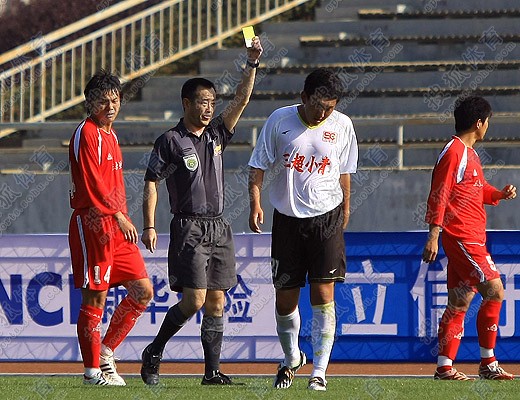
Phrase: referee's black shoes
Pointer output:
(218, 378)
(150, 366)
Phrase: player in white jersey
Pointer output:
(306, 153)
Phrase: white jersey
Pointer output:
(303, 165)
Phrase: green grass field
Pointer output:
(61, 388)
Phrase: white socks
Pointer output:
(91, 372)
(322, 332)
(486, 353)
(106, 351)
(288, 328)
(443, 361)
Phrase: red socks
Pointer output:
(487, 323)
(452, 326)
(450, 332)
(89, 335)
(487, 326)
(124, 318)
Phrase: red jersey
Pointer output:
(458, 193)
(96, 169)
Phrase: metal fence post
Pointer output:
(400, 147)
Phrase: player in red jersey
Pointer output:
(456, 205)
(102, 239)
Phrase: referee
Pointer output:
(201, 255)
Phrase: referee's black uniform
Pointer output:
(201, 252)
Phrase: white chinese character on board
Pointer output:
(428, 318)
(361, 300)
(511, 296)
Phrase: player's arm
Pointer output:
(236, 106)
(100, 195)
(443, 181)
(345, 186)
(105, 199)
(128, 229)
(256, 214)
(149, 237)
(431, 248)
(492, 195)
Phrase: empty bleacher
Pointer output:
(403, 63)
(409, 13)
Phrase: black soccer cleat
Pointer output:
(150, 366)
(218, 378)
(285, 375)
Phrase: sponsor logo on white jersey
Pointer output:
(330, 137)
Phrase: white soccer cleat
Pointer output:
(107, 364)
(317, 383)
(101, 379)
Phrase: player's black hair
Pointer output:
(469, 110)
(101, 83)
(189, 89)
(325, 83)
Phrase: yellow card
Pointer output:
(249, 34)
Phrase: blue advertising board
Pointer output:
(390, 304)
(387, 310)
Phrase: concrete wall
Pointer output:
(381, 201)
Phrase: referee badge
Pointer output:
(191, 161)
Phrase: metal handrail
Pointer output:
(400, 143)
(35, 88)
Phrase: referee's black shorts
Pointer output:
(201, 254)
(308, 248)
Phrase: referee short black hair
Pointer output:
(191, 85)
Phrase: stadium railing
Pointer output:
(47, 75)
(398, 137)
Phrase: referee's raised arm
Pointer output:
(236, 106)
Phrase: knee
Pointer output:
(214, 308)
(147, 295)
(495, 294)
(286, 307)
(322, 293)
(93, 298)
(144, 292)
(494, 291)
(190, 304)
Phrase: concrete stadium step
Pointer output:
(338, 9)
(360, 106)
(409, 54)
(418, 92)
(389, 68)
(411, 13)
(343, 40)
(288, 30)
(413, 52)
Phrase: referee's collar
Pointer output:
(183, 131)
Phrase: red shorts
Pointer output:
(101, 256)
(468, 263)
